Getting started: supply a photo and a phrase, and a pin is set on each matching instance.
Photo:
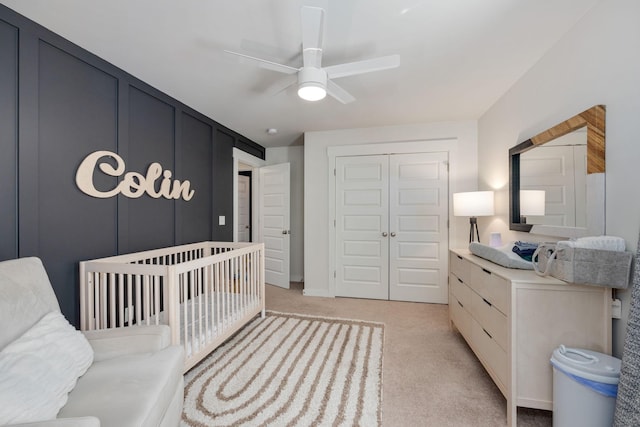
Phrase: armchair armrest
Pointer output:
(109, 343)
(63, 422)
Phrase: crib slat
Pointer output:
(218, 291)
(103, 300)
(112, 300)
(120, 279)
(185, 324)
(198, 275)
(138, 292)
(206, 283)
(156, 299)
(146, 299)
(194, 342)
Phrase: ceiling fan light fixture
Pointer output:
(312, 83)
(311, 91)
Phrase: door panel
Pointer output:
(275, 220)
(418, 190)
(362, 215)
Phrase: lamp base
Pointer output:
(473, 225)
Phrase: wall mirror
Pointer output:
(567, 163)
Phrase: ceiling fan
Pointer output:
(313, 80)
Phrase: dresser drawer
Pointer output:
(498, 291)
(494, 357)
(491, 287)
(491, 319)
(460, 317)
(460, 290)
(460, 267)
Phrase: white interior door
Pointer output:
(391, 227)
(418, 206)
(275, 222)
(362, 217)
(244, 208)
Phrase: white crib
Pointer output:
(204, 291)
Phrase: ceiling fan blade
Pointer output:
(312, 36)
(361, 67)
(270, 65)
(338, 93)
(282, 84)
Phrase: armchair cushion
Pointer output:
(129, 391)
(40, 368)
(64, 422)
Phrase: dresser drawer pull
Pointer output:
(487, 302)
(459, 257)
(486, 271)
(488, 334)
(460, 304)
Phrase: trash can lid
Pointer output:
(587, 364)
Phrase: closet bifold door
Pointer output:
(362, 234)
(391, 227)
(418, 212)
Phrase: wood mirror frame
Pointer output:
(594, 120)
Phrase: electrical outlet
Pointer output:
(616, 309)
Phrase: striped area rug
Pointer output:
(290, 370)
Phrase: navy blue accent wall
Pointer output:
(8, 140)
(59, 103)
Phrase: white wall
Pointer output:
(294, 156)
(596, 62)
(461, 137)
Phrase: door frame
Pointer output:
(245, 158)
(448, 145)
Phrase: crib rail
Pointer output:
(203, 291)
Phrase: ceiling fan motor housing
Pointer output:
(312, 83)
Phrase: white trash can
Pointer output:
(585, 386)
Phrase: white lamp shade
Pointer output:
(473, 203)
(311, 91)
(532, 202)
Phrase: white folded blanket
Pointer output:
(605, 243)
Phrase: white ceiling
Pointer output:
(457, 56)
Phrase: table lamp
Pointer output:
(473, 204)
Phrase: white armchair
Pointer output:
(135, 375)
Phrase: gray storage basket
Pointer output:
(584, 266)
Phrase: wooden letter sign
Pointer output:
(133, 184)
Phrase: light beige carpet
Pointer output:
(290, 369)
(431, 376)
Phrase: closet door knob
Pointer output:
(393, 234)
(384, 234)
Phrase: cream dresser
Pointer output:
(514, 319)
